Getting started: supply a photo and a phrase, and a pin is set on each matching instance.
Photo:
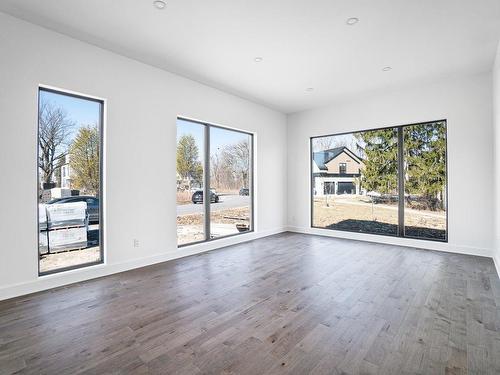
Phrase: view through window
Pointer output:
(389, 181)
(190, 182)
(230, 180)
(69, 181)
(218, 160)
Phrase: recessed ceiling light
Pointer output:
(352, 21)
(258, 59)
(159, 4)
(309, 89)
(386, 68)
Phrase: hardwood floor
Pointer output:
(289, 303)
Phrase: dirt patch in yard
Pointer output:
(50, 262)
(190, 227)
(229, 216)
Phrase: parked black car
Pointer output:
(198, 197)
(244, 191)
(92, 205)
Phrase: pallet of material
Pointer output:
(43, 242)
(67, 239)
(66, 214)
(42, 217)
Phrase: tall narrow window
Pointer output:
(69, 181)
(216, 163)
(389, 181)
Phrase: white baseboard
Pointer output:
(408, 242)
(100, 270)
(496, 260)
(88, 273)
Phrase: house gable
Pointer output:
(353, 163)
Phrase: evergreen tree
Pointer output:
(425, 162)
(380, 173)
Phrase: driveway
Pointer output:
(225, 202)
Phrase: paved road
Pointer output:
(225, 202)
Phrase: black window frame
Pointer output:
(102, 104)
(206, 182)
(342, 168)
(401, 209)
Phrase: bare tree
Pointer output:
(333, 141)
(237, 159)
(54, 130)
(323, 143)
(216, 169)
(230, 166)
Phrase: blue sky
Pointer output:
(82, 112)
(218, 137)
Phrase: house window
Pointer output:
(400, 188)
(329, 187)
(69, 227)
(342, 168)
(213, 162)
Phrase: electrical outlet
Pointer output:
(136, 242)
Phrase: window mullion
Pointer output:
(206, 183)
(401, 183)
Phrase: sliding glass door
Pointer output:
(389, 181)
(213, 162)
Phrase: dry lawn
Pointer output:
(190, 227)
(229, 216)
(358, 214)
(49, 262)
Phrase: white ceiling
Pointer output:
(304, 43)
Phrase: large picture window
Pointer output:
(389, 181)
(213, 162)
(69, 181)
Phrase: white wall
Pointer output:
(140, 184)
(496, 126)
(466, 104)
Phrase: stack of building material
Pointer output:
(67, 226)
(43, 245)
(43, 242)
(42, 217)
(67, 239)
(66, 215)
